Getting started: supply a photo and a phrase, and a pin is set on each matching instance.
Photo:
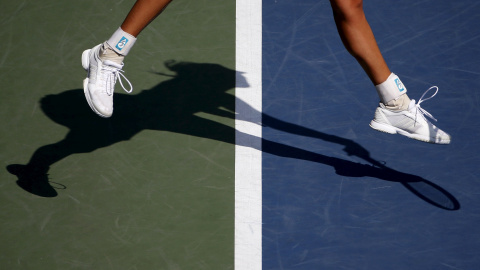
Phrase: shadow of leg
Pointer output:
(32, 179)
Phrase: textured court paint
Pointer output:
(152, 199)
(324, 205)
(248, 177)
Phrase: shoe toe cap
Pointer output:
(442, 137)
(105, 112)
(103, 106)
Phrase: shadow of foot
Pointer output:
(32, 181)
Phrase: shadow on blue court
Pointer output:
(339, 195)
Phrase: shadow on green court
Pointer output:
(173, 106)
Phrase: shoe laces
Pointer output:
(113, 72)
(422, 111)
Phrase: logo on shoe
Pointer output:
(399, 84)
(121, 44)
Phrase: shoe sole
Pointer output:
(85, 65)
(393, 130)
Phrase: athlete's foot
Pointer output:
(102, 74)
(410, 122)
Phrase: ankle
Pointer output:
(107, 53)
(391, 89)
(121, 41)
(399, 104)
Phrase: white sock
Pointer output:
(107, 53)
(392, 93)
(399, 104)
(121, 42)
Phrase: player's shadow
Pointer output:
(172, 106)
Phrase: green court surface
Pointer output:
(150, 188)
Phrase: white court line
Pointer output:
(248, 156)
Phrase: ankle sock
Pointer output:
(392, 93)
(107, 53)
(399, 104)
(121, 42)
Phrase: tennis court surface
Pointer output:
(245, 143)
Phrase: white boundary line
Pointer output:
(248, 155)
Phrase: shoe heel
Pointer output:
(86, 59)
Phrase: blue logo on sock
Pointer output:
(121, 44)
(399, 85)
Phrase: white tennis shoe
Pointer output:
(411, 122)
(100, 82)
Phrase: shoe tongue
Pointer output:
(113, 64)
(411, 105)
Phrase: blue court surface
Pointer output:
(336, 193)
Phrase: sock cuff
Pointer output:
(121, 41)
(390, 89)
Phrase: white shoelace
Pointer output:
(422, 110)
(113, 72)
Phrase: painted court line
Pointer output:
(248, 156)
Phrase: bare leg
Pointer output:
(397, 111)
(358, 38)
(142, 13)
